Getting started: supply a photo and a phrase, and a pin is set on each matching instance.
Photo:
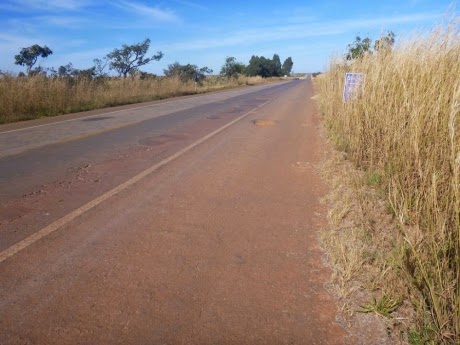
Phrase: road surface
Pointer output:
(185, 221)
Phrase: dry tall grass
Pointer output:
(38, 96)
(405, 133)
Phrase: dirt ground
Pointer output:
(218, 246)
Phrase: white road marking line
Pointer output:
(14, 249)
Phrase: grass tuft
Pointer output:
(384, 306)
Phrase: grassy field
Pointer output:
(403, 135)
(38, 96)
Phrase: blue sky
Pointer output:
(205, 32)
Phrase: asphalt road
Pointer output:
(178, 222)
(50, 148)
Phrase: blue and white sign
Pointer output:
(353, 87)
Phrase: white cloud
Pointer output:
(44, 5)
(298, 31)
(191, 4)
(154, 13)
(7, 39)
(62, 21)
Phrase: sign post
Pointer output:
(353, 87)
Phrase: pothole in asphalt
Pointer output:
(162, 139)
(214, 117)
(236, 110)
(98, 118)
(264, 123)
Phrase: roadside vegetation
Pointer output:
(41, 96)
(395, 221)
(117, 79)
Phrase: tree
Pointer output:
(232, 68)
(146, 75)
(358, 48)
(186, 72)
(276, 66)
(65, 71)
(87, 73)
(99, 67)
(265, 67)
(287, 66)
(129, 58)
(206, 70)
(259, 66)
(253, 69)
(29, 56)
(385, 43)
(39, 70)
(68, 71)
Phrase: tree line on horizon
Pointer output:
(127, 60)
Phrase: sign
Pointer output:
(353, 87)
